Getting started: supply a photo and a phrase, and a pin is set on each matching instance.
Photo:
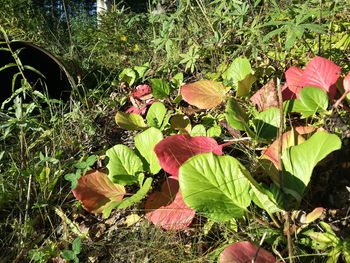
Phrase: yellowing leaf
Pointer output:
(204, 94)
(132, 219)
(130, 121)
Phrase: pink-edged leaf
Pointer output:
(293, 79)
(167, 208)
(266, 97)
(96, 191)
(244, 252)
(136, 110)
(346, 83)
(204, 94)
(322, 73)
(174, 150)
(271, 153)
(140, 91)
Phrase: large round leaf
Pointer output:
(322, 73)
(215, 186)
(167, 208)
(97, 192)
(174, 150)
(123, 164)
(204, 94)
(244, 252)
(145, 143)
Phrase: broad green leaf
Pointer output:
(123, 165)
(215, 186)
(238, 70)
(198, 130)
(128, 75)
(300, 160)
(141, 70)
(160, 88)
(126, 202)
(76, 245)
(145, 143)
(204, 94)
(214, 131)
(267, 123)
(130, 121)
(315, 99)
(68, 255)
(245, 85)
(156, 114)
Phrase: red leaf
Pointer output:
(322, 73)
(243, 252)
(167, 208)
(140, 91)
(96, 191)
(174, 150)
(204, 94)
(293, 87)
(136, 110)
(266, 97)
(272, 152)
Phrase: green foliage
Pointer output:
(72, 255)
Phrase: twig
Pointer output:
(280, 171)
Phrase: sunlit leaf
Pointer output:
(174, 150)
(300, 160)
(145, 143)
(322, 73)
(167, 208)
(160, 88)
(97, 192)
(204, 94)
(156, 114)
(123, 164)
(130, 121)
(215, 186)
(238, 70)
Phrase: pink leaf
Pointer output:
(204, 94)
(293, 87)
(140, 91)
(167, 208)
(96, 191)
(137, 110)
(174, 150)
(322, 73)
(244, 252)
(271, 153)
(266, 97)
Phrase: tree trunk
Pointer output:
(101, 7)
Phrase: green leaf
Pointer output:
(300, 160)
(76, 245)
(198, 130)
(238, 70)
(160, 88)
(245, 85)
(145, 143)
(214, 131)
(130, 121)
(315, 99)
(123, 165)
(267, 123)
(128, 75)
(68, 255)
(126, 202)
(269, 200)
(236, 116)
(141, 70)
(156, 114)
(215, 186)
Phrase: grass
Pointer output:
(41, 140)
